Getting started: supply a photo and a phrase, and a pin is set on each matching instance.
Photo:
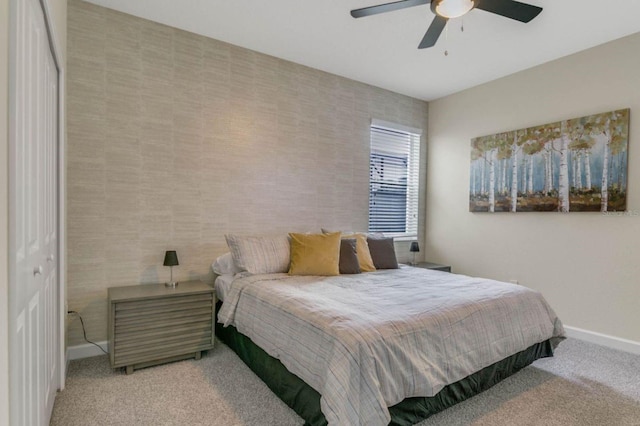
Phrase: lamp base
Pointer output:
(171, 284)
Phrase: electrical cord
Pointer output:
(85, 331)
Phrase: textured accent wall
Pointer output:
(175, 139)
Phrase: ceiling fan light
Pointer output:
(452, 8)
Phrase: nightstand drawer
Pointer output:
(124, 337)
(165, 304)
(160, 337)
(153, 317)
(154, 349)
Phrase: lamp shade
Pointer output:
(170, 258)
(414, 247)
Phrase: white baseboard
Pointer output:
(603, 339)
(86, 350)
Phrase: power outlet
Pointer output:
(514, 282)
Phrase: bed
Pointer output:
(385, 347)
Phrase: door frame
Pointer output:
(59, 57)
(4, 213)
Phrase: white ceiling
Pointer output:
(381, 50)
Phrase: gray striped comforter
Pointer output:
(366, 342)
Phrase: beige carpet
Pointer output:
(582, 385)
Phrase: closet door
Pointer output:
(33, 274)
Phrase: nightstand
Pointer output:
(150, 324)
(436, 266)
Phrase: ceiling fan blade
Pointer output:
(434, 31)
(387, 7)
(511, 9)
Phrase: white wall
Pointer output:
(586, 264)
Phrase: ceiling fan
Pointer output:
(447, 9)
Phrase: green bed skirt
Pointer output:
(305, 401)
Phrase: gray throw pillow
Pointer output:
(348, 257)
(383, 253)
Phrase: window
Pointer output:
(393, 179)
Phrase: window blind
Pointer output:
(393, 180)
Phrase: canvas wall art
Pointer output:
(572, 165)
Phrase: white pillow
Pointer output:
(224, 265)
(223, 284)
(260, 255)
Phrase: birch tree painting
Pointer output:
(572, 165)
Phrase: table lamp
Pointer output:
(415, 248)
(171, 260)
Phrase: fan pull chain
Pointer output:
(446, 39)
(446, 34)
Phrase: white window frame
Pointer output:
(413, 135)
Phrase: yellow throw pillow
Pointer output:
(315, 254)
(362, 250)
